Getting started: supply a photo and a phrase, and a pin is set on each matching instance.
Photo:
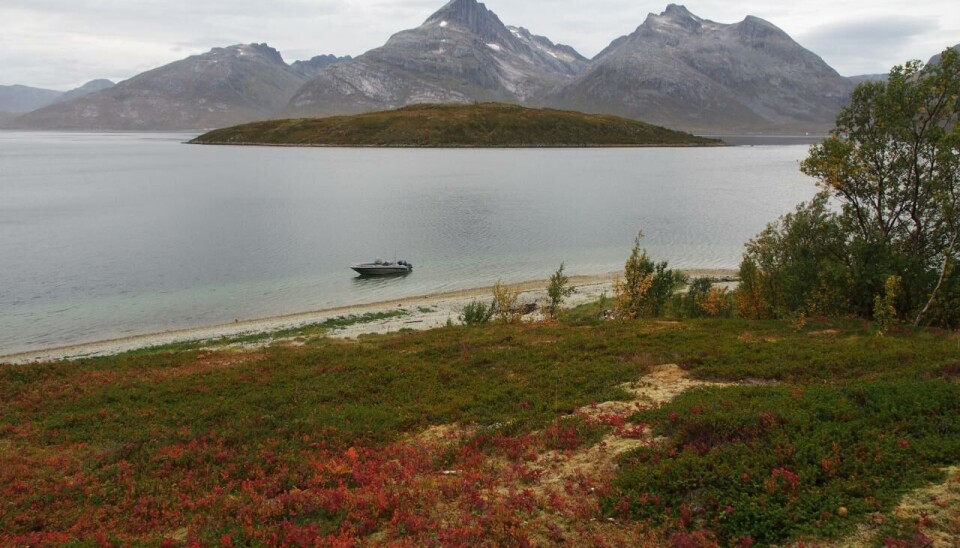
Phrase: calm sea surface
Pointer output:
(109, 235)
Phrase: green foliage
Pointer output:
(704, 300)
(892, 165)
(646, 287)
(750, 293)
(885, 306)
(696, 295)
(478, 125)
(477, 313)
(558, 290)
(799, 264)
(777, 463)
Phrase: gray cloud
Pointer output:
(870, 45)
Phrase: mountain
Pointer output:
(936, 58)
(223, 87)
(309, 69)
(690, 73)
(17, 100)
(21, 99)
(460, 54)
(87, 89)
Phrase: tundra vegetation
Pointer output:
(477, 125)
(803, 426)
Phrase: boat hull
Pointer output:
(381, 270)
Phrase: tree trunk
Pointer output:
(943, 277)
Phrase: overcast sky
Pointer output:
(60, 44)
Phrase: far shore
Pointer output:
(423, 312)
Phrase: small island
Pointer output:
(484, 125)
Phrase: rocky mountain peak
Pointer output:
(677, 11)
(460, 54)
(262, 51)
(470, 15)
(675, 18)
(753, 30)
(685, 71)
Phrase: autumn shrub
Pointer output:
(704, 300)
(505, 304)
(646, 287)
(750, 295)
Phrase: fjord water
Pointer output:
(110, 235)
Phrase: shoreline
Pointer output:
(423, 312)
(720, 143)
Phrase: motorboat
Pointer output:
(383, 268)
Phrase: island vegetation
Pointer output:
(477, 125)
(817, 403)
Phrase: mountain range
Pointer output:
(676, 70)
(680, 70)
(461, 54)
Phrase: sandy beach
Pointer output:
(422, 313)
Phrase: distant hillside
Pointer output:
(21, 99)
(17, 100)
(224, 86)
(89, 88)
(481, 125)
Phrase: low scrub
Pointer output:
(325, 442)
(767, 465)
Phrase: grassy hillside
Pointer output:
(480, 125)
(492, 435)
